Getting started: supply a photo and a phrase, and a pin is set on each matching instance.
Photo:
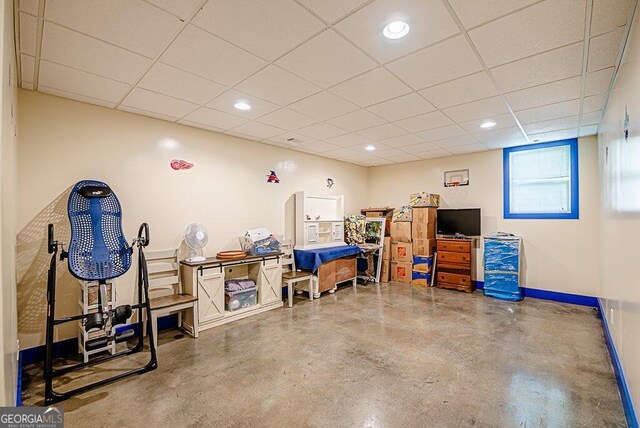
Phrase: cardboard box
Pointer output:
(422, 263)
(423, 230)
(403, 213)
(385, 271)
(401, 272)
(421, 279)
(401, 231)
(386, 249)
(424, 247)
(401, 252)
(425, 215)
(424, 199)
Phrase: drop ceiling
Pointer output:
(322, 79)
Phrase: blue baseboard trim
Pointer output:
(19, 382)
(556, 296)
(627, 403)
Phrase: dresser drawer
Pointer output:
(453, 278)
(451, 257)
(454, 246)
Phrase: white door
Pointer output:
(270, 283)
(337, 231)
(210, 295)
(311, 230)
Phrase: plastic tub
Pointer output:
(235, 300)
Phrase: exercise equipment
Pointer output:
(98, 251)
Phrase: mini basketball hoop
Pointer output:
(456, 178)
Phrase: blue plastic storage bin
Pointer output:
(502, 267)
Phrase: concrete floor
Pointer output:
(392, 355)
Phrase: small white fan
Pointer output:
(196, 237)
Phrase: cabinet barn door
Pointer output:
(210, 296)
(270, 283)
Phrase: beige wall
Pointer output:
(620, 214)
(559, 255)
(64, 141)
(8, 331)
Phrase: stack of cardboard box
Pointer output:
(413, 233)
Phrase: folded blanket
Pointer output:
(239, 284)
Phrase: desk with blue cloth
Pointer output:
(329, 266)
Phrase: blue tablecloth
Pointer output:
(312, 259)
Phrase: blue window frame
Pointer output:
(541, 181)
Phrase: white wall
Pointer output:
(559, 255)
(8, 331)
(620, 214)
(64, 141)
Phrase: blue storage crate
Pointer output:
(502, 267)
(503, 286)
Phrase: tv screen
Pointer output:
(463, 221)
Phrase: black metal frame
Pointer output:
(50, 373)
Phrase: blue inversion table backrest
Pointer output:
(98, 248)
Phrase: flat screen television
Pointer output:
(464, 221)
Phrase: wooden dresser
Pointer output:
(453, 264)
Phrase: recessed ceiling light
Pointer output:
(396, 30)
(241, 105)
(488, 124)
(370, 148)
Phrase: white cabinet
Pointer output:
(270, 284)
(319, 221)
(210, 295)
(337, 231)
(311, 231)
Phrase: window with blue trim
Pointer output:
(541, 181)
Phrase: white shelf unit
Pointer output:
(88, 303)
(319, 221)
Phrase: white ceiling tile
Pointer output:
(403, 140)
(28, 32)
(473, 13)
(208, 56)
(158, 103)
(215, 118)
(226, 101)
(591, 118)
(432, 154)
(460, 91)
(85, 84)
(287, 119)
(404, 157)
(333, 10)
(541, 27)
(540, 69)
(142, 112)
(268, 29)
(349, 140)
(603, 50)
(314, 147)
(462, 140)
(27, 85)
(323, 106)
(258, 130)
(423, 122)
(562, 90)
(243, 136)
(85, 53)
(276, 144)
(174, 82)
(445, 61)
(378, 148)
(507, 137)
(200, 126)
(501, 121)
(131, 24)
(182, 9)
(554, 135)
(326, 60)
(429, 21)
(321, 131)
(551, 125)
(77, 97)
(386, 153)
(467, 148)
(588, 130)
(548, 112)
(356, 121)
(416, 149)
(27, 67)
(277, 85)
(443, 132)
(29, 6)
(382, 132)
(342, 153)
(290, 138)
(598, 81)
(372, 87)
(481, 109)
(593, 103)
(402, 107)
(607, 15)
